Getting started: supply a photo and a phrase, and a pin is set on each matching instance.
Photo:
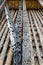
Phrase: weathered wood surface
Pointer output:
(35, 27)
(26, 47)
(6, 52)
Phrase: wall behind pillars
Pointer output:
(29, 3)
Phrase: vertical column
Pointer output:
(15, 31)
(26, 59)
(18, 46)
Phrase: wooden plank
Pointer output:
(2, 23)
(15, 16)
(40, 15)
(39, 23)
(40, 35)
(3, 29)
(3, 54)
(3, 38)
(40, 18)
(37, 45)
(3, 15)
(32, 52)
(9, 57)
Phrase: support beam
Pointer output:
(26, 49)
(15, 32)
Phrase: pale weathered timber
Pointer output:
(26, 53)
